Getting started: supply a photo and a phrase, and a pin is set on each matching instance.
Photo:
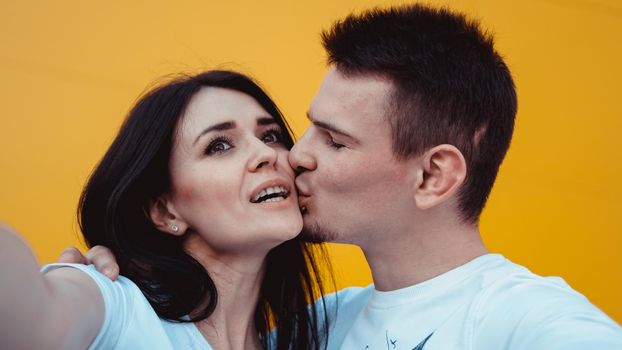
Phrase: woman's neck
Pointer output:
(238, 280)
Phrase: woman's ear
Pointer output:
(164, 216)
(443, 170)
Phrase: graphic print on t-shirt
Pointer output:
(420, 346)
(392, 343)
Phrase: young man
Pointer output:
(408, 131)
(409, 128)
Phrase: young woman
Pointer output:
(196, 200)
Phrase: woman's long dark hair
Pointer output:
(135, 170)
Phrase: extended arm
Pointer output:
(62, 309)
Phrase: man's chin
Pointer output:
(316, 233)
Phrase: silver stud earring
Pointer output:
(174, 228)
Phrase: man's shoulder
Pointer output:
(531, 309)
(346, 303)
(352, 295)
(516, 283)
(343, 307)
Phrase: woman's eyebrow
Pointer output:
(218, 127)
(266, 121)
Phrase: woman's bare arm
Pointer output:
(62, 309)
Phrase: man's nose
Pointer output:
(301, 157)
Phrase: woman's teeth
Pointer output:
(271, 194)
(275, 199)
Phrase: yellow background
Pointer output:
(69, 71)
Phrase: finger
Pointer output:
(104, 261)
(72, 255)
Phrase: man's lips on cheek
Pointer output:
(303, 202)
(303, 195)
(301, 188)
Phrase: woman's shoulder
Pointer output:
(120, 289)
(128, 314)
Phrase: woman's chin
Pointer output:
(287, 225)
(287, 230)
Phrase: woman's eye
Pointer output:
(271, 136)
(219, 145)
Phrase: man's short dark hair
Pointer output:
(450, 86)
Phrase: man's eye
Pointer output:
(272, 136)
(219, 145)
(333, 144)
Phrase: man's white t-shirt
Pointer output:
(131, 323)
(489, 303)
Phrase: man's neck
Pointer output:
(410, 258)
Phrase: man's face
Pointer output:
(351, 187)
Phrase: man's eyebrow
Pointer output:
(218, 127)
(329, 127)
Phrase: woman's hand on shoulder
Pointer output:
(100, 256)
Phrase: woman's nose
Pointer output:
(262, 156)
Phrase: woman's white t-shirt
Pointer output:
(131, 323)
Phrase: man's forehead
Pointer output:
(342, 96)
(356, 84)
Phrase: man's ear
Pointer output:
(164, 217)
(443, 170)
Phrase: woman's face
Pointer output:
(231, 182)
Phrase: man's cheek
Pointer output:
(341, 177)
